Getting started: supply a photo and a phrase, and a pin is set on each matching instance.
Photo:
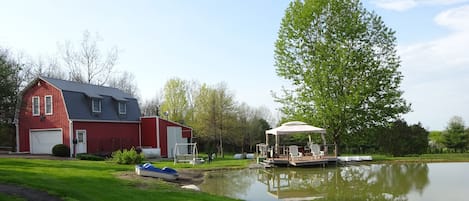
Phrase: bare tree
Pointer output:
(45, 67)
(152, 107)
(125, 81)
(87, 63)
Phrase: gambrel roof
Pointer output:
(78, 96)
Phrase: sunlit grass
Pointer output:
(446, 157)
(90, 180)
(6, 197)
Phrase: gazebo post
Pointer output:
(276, 144)
(324, 142)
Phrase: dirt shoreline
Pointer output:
(186, 177)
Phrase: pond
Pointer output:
(390, 182)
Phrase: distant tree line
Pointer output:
(220, 123)
(400, 139)
(455, 138)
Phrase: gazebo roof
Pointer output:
(294, 127)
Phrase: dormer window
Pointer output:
(122, 108)
(96, 105)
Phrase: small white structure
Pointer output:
(187, 152)
(292, 128)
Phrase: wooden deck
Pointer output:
(300, 161)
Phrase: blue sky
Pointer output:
(214, 41)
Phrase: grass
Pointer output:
(226, 163)
(6, 197)
(446, 157)
(96, 180)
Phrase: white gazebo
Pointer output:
(293, 127)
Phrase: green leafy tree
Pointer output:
(401, 139)
(455, 137)
(436, 141)
(175, 100)
(214, 115)
(9, 89)
(342, 63)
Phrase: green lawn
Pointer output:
(447, 157)
(6, 197)
(90, 180)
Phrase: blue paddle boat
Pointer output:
(148, 170)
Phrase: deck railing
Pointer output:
(328, 150)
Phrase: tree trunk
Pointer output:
(337, 144)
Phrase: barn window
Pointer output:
(35, 105)
(48, 104)
(122, 108)
(96, 105)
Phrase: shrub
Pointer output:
(61, 150)
(89, 157)
(127, 156)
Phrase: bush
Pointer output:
(89, 157)
(127, 156)
(61, 150)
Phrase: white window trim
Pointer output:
(119, 107)
(80, 131)
(38, 106)
(51, 105)
(92, 105)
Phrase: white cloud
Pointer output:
(397, 5)
(403, 5)
(456, 18)
(436, 73)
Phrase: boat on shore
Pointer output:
(148, 170)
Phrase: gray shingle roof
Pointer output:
(78, 97)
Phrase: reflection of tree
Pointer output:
(390, 182)
(229, 183)
(289, 183)
(387, 182)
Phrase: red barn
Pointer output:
(87, 118)
(163, 134)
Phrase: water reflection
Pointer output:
(389, 182)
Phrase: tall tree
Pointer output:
(175, 99)
(9, 89)
(341, 60)
(87, 63)
(214, 115)
(455, 137)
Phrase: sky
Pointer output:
(213, 41)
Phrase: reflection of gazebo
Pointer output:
(284, 185)
(293, 127)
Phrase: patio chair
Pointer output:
(294, 153)
(315, 150)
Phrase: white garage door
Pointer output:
(43, 141)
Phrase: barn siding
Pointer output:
(106, 137)
(27, 121)
(148, 129)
